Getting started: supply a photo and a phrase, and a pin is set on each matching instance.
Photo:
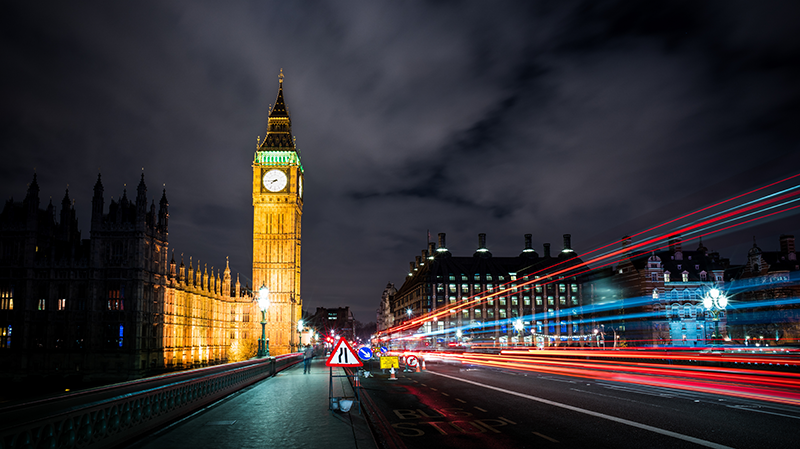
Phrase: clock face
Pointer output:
(275, 180)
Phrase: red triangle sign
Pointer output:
(343, 355)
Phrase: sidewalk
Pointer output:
(287, 410)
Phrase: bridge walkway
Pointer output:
(288, 410)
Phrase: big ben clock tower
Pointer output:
(277, 210)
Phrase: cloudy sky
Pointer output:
(543, 117)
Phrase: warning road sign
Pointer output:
(343, 355)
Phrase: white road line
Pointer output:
(592, 413)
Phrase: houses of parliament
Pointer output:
(119, 306)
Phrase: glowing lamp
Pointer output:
(263, 298)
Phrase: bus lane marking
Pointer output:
(545, 437)
(437, 419)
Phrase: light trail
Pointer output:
(752, 210)
(759, 384)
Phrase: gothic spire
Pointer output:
(279, 125)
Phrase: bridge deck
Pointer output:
(287, 410)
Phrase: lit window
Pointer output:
(5, 337)
(550, 300)
(502, 313)
(538, 289)
(685, 276)
(562, 300)
(514, 301)
(477, 313)
(62, 304)
(42, 304)
(562, 288)
(464, 289)
(7, 299)
(538, 300)
(574, 288)
(666, 276)
(503, 302)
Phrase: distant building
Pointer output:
(662, 294)
(766, 291)
(338, 321)
(385, 318)
(550, 311)
(112, 306)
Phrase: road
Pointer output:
(455, 406)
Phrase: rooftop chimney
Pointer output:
(567, 243)
(546, 250)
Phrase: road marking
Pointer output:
(434, 389)
(484, 411)
(461, 401)
(507, 420)
(545, 437)
(445, 394)
(423, 385)
(747, 408)
(592, 413)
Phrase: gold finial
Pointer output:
(280, 77)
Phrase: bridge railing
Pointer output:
(110, 422)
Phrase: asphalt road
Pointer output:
(451, 406)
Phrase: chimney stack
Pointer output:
(546, 250)
(567, 242)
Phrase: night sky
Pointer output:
(544, 117)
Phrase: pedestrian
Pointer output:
(307, 355)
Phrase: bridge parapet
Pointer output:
(109, 416)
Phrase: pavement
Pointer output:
(288, 410)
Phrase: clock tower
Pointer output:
(277, 210)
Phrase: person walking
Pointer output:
(307, 355)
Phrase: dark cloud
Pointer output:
(590, 118)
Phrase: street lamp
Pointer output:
(263, 303)
(715, 301)
(518, 326)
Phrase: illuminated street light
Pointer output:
(263, 303)
(715, 301)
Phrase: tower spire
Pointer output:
(279, 125)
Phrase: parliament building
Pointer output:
(118, 305)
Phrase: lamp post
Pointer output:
(263, 303)
(715, 301)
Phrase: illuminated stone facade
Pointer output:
(277, 213)
(110, 307)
